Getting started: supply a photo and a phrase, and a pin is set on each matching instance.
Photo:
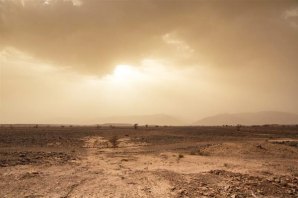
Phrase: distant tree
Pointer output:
(238, 127)
(146, 125)
(135, 126)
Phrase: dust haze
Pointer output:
(148, 98)
(210, 57)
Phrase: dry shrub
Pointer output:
(114, 141)
(180, 156)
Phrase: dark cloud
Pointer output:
(96, 35)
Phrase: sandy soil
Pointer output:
(149, 162)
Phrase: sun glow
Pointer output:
(149, 72)
(125, 74)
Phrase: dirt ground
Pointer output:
(77, 161)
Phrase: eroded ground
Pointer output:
(149, 162)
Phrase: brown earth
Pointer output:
(52, 161)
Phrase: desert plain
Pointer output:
(153, 161)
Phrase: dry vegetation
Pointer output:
(114, 141)
(54, 161)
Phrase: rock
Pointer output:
(22, 155)
(276, 180)
(260, 191)
(290, 192)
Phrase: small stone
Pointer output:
(276, 180)
(289, 192)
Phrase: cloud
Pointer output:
(291, 13)
(291, 16)
(92, 36)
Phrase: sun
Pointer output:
(125, 73)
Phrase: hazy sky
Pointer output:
(76, 61)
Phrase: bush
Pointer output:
(114, 141)
(180, 156)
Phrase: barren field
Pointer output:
(54, 161)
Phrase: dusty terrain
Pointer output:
(55, 161)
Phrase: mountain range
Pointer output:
(253, 118)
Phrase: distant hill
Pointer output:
(156, 119)
(257, 118)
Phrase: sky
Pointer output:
(78, 61)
